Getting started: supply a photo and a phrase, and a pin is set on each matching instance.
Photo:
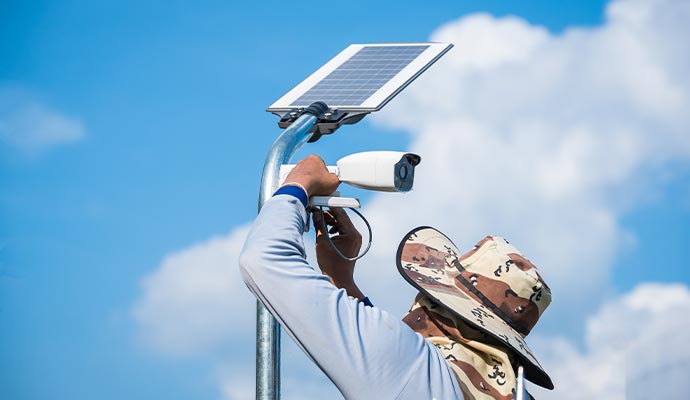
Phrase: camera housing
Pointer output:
(383, 171)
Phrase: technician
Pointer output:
(364, 351)
(463, 337)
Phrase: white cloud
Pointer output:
(635, 348)
(235, 384)
(543, 138)
(196, 300)
(32, 126)
(300, 378)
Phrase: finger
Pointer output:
(316, 159)
(318, 222)
(333, 182)
(316, 217)
(330, 219)
(337, 212)
(343, 219)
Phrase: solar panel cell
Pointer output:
(358, 78)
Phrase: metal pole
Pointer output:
(267, 328)
(520, 389)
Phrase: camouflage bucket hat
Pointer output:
(493, 287)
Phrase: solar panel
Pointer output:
(358, 78)
(363, 77)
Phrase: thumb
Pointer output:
(332, 182)
(317, 220)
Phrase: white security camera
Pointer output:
(384, 171)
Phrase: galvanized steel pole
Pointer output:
(520, 389)
(267, 328)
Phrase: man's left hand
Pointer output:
(348, 240)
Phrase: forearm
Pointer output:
(274, 267)
(273, 260)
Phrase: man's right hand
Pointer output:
(312, 174)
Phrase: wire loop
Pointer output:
(337, 251)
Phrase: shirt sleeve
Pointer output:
(363, 350)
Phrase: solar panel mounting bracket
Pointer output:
(327, 122)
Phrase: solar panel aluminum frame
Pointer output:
(383, 95)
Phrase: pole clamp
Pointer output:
(328, 120)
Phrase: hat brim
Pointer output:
(464, 306)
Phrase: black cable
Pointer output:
(325, 230)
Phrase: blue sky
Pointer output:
(157, 141)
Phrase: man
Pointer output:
(436, 353)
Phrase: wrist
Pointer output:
(297, 184)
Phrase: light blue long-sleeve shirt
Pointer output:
(364, 351)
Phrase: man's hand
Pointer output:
(313, 175)
(348, 241)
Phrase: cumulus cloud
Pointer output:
(196, 301)
(635, 348)
(547, 139)
(33, 127)
(300, 378)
